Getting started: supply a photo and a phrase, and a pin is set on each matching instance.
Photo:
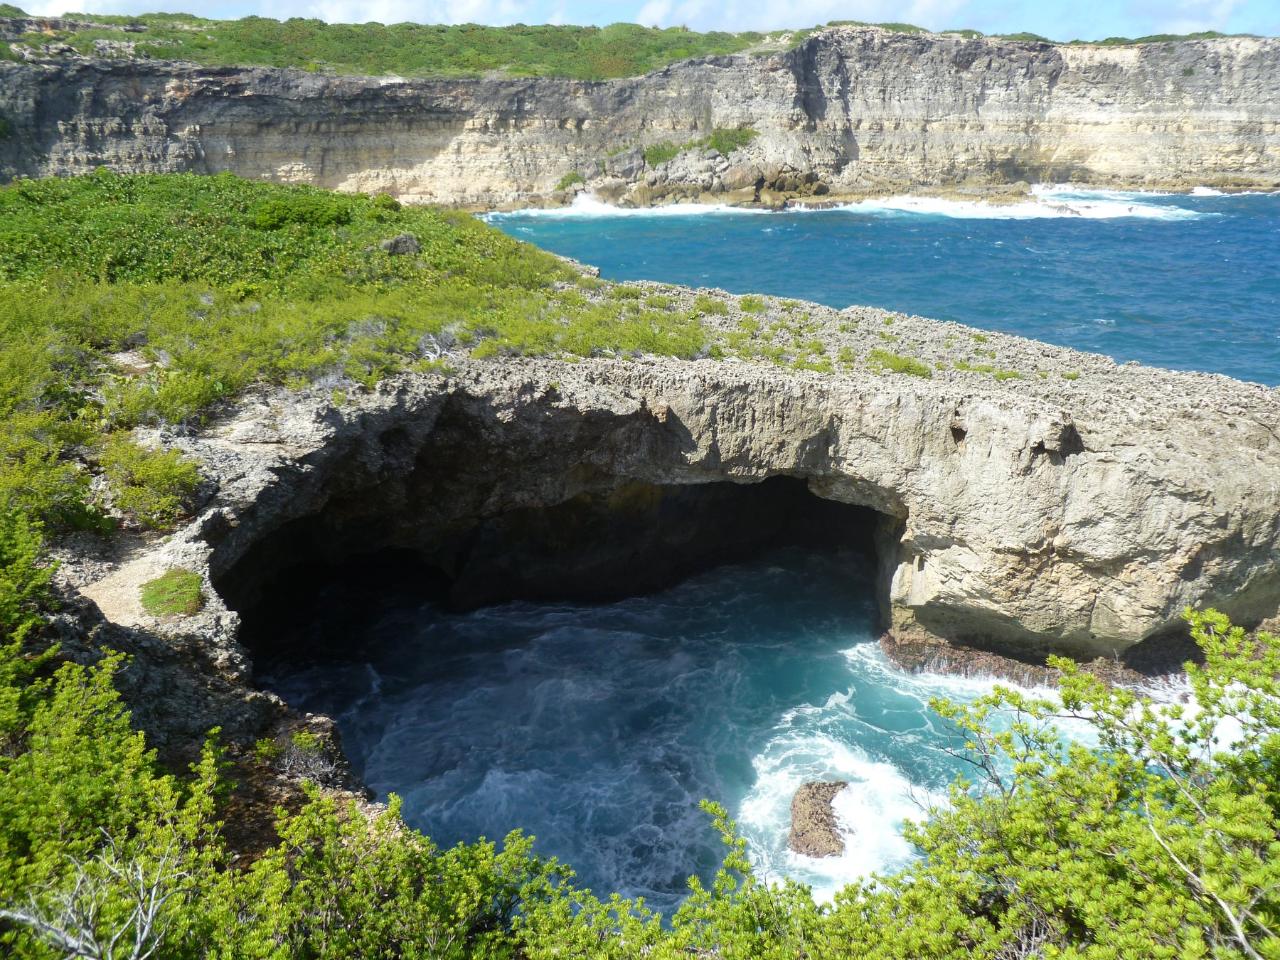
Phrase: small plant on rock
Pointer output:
(176, 593)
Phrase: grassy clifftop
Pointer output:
(415, 50)
(127, 301)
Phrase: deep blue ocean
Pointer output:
(1181, 281)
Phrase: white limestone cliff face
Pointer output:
(848, 112)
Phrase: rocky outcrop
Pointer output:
(814, 829)
(1076, 506)
(848, 112)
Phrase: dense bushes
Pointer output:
(413, 49)
(129, 301)
(1158, 841)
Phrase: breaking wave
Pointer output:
(599, 728)
(1045, 202)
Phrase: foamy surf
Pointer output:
(1046, 203)
(587, 206)
(882, 738)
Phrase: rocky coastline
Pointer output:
(1009, 517)
(848, 113)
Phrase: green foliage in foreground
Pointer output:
(1160, 841)
(173, 593)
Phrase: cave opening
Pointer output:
(590, 670)
(629, 540)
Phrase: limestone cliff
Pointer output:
(849, 111)
(1075, 506)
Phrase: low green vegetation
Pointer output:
(657, 154)
(406, 49)
(173, 593)
(151, 486)
(1155, 841)
(884, 361)
(569, 179)
(128, 301)
(998, 373)
(722, 139)
(1071, 375)
(751, 304)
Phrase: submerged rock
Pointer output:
(814, 829)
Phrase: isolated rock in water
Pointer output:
(814, 832)
(405, 243)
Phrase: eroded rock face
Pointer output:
(814, 829)
(1029, 515)
(849, 111)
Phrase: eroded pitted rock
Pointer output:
(1076, 508)
(815, 830)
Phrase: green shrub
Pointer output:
(174, 593)
(152, 486)
(657, 154)
(1071, 375)
(882, 360)
(710, 305)
(726, 141)
(306, 208)
(997, 372)
(752, 304)
(569, 179)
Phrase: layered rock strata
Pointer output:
(850, 111)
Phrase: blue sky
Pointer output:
(1059, 19)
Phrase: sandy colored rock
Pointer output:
(814, 830)
(859, 110)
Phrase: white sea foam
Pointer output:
(1047, 202)
(587, 206)
(871, 810)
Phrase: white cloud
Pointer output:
(334, 11)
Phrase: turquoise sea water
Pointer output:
(1182, 281)
(598, 728)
